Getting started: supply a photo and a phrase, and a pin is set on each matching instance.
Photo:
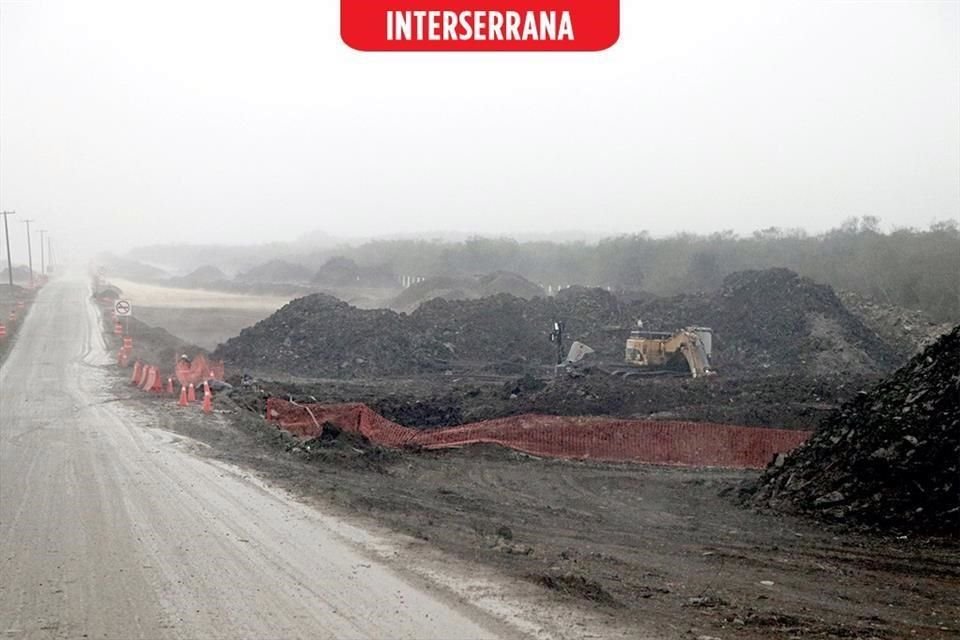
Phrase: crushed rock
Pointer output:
(889, 458)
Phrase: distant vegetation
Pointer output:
(916, 269)
(908, 268)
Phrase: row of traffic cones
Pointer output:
(148, 378)
(188, 394)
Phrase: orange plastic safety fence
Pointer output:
(655, 442)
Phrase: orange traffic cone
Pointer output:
(207, 402)
(206, 388)
(183, 397)
(191, 393)
(149, 378)
(136, 372)
(170, 386)
(3, 331)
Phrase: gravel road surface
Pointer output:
(111, 529)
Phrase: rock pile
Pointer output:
(321, 336)
(764, 322)
(889, 458)
(775, 319)
(906, 330)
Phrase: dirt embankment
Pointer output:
(764, 322)
(14, 304)
(907, 331)
(789, 402)
(889, 458)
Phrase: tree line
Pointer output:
(916, 269)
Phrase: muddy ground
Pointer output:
(633, 543)
(636, 543)
(781, 401)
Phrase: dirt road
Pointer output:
(111, 529)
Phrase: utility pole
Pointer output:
(50, 251)
(6, 233)
(29, 251)
(43, 268)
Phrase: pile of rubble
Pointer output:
(321, 336)
(905, 330)
(775, 319)
(889, 458)
(764, 322)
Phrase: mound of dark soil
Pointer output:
(496, 328)
(509, 282)
(576, 585)
(889, 458)
(334, 446)
(446, 287)
(321, 336)
(763, 321)
(907, 331)
(775, 319)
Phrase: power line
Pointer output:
(43, 268)
(29, 251)
(6, 232)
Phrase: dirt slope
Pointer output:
(890, 457)
(764, 322)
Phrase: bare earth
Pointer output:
(626, 548)
(113, 528)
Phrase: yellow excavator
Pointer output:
(652, 352)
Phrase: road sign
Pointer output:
(123, 308)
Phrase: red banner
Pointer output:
(480, 25)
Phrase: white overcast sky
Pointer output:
(138, 122)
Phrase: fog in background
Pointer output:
(129, 123)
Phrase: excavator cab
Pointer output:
(688, 349)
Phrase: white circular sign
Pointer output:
(123, 308)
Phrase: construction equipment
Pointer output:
(654, 351)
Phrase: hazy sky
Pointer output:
(137, 122)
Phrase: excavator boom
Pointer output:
(653, 350)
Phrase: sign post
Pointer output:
(124, 309)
